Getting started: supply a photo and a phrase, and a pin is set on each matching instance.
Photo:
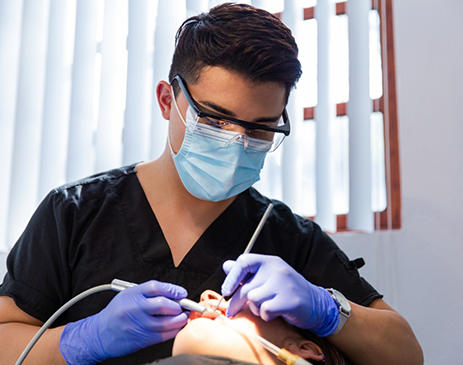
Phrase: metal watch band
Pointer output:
(343, 306)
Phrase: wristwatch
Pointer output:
(344, 308)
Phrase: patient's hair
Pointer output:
(240, 38)
(333, 356)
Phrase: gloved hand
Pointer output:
(276, 289)
(135, 318)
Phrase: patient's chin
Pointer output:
(203, 336)
(189, 339)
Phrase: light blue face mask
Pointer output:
(216, 164)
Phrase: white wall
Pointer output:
(419, 268)
(2, 265)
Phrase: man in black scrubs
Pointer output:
(170, 224)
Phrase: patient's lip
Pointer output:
(210, 314)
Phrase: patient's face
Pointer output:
(203, 335)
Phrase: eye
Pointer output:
(215, 122)
(255, 133)
(260, 134)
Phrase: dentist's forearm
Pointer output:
(14, 337)
(378, 335)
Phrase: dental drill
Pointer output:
(187, 304)
(116, 285)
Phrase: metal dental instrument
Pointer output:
(259, 228)
(185, 303)
(282, 354)
(249, 247)
(116, 285)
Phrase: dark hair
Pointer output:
(333, 356)
(240, 38)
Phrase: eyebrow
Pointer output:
(225, 112)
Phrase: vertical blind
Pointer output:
(325, 114)
(78, 96)
(359, 109)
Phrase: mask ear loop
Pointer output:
(176, 106)
(191, 117)
(181, 117)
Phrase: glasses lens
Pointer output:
(253, 140)
(279, 137)
(269, 138)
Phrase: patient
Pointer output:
(204, 336)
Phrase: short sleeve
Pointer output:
(38, 272)
(328, 266)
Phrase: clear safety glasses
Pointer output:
(263, 135)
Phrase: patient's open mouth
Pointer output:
(210, 313)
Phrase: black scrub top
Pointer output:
(92, 231)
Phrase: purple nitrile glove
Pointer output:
(276, 289)
(136, 318)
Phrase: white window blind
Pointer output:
(78, 96)
(140, 47)
(10, 40)
(80, 152)
(325, 114)
(359, 108)
(335, 164)
(26, 147)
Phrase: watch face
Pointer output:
(342, 300)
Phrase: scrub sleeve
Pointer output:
(89, 232)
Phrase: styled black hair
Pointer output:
(240, 38)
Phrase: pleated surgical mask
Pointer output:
(216, 164)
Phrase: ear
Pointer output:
(304, 348)
(164, 96)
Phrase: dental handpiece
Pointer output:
(116, 285)
(187, 304)
(191, 305)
